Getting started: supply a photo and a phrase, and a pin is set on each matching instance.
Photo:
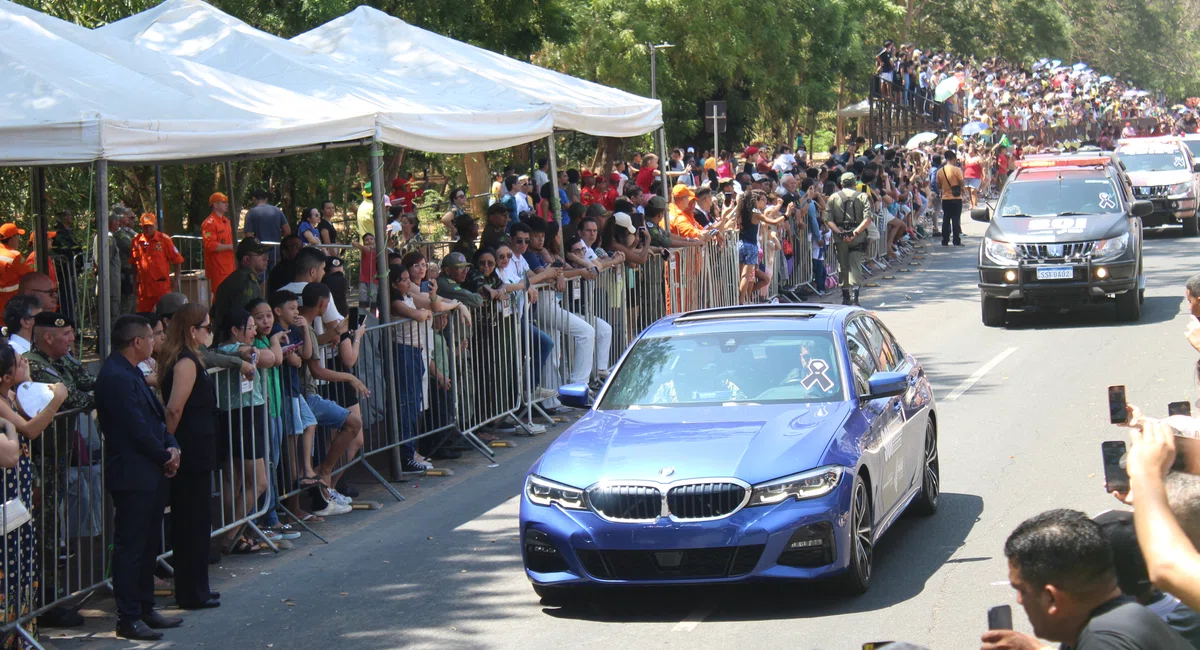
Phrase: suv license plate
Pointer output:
(1055, 272)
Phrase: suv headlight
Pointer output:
(806, 485)
(1179, 188)
(544, 493)
(1107, 249)
(1000, 252)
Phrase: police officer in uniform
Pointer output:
(50, 362)
(848, 216)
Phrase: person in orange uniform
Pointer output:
(12, 262)
(219, 260)
(682, 222)
(31, 261)
(154, 255)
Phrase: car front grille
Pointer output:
(1145, 191)
(1044, 252)
(692, 563)
(626, 503)
(705, 500)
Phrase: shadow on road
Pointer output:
(906, 558)
(1156, 309)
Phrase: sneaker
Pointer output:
(413, 465)
(285, 531)
(346, 489)
(332, 508)
(334, 495)
(502, 427)
(536, 428)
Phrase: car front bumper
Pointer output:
(1170, 211)
(793, 540)
(1084, 287)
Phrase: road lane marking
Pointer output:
(695, 618)
(970, 381)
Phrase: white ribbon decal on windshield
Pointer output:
(1107, 202)
(816, 375)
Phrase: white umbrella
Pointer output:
(920, 139)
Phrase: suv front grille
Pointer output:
(626, 502)
(1143, 191)
(705, 500)
(1044, 252)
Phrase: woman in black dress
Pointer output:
(191, 417)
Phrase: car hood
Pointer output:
(753, 443)
(1053, 230)
(1165, 177)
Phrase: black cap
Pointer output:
(332, 263)
(52, 319)
(250, 246)
(1132, 575)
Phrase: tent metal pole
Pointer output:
(158, 197)
(235, 211)
(39, 210)
(375, 161)
(555, 205)
(104, 327)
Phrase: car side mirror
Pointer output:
(1196, 168)
(981, 214)
(1143, 208)
(886, 384)
(575, 396)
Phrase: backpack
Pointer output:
(847, 218)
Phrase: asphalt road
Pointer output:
(443, 570)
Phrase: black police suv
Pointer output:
(1067, 232)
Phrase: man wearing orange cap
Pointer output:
(31, 261)
(219, 260)
(683, 221)
(12, 263)
(154, 255)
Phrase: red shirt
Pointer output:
(645, 178)
(1002, 163)
(590, 195)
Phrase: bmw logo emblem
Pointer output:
(666, 471)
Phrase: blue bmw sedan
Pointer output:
(773, 442)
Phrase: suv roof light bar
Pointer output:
(1064, 162)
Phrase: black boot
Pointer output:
(856, 296)
(845, 296)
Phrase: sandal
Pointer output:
(310, 482)
(245, 546)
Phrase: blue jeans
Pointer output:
(818, 274)
(543, 345)
(410, 366)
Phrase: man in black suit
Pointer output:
(139, 457)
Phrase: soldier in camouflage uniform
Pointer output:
(50, 362)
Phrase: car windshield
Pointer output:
(1057, 195)
(1153, 162)
(727, 368)
(1194, 145)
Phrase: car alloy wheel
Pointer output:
(862, 544)
(927, 501)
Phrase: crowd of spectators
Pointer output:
(1012, 97)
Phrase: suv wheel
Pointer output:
(1129, 306)
(995, 311)
(1191, 227)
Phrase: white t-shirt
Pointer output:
(19, 344)
(540, 178)
(522, 202)
(515, 273)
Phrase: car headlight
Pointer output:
(1107, 249)
(544, 493)
(1000, 252)
(1179, 188)
(806, 485)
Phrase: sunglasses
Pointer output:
(504, 256)
(207, 326)
(521, 240)
(486, 263)
(578, 249)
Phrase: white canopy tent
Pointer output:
(367, 38)
(860, 109)
(418, 109)
(75, 96)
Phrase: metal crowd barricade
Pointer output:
(491, 374)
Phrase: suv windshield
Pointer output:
(1194, 145)
(1153, 162)
(1054, 195)
(727, 368)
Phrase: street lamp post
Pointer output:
(662, 132)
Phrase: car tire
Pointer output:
(861, 541)
(1129, 306)
(995, 311)
(1191, 227)
(555, 596)
(926, 502)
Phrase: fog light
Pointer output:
(1102, 273)
(1010, 276)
